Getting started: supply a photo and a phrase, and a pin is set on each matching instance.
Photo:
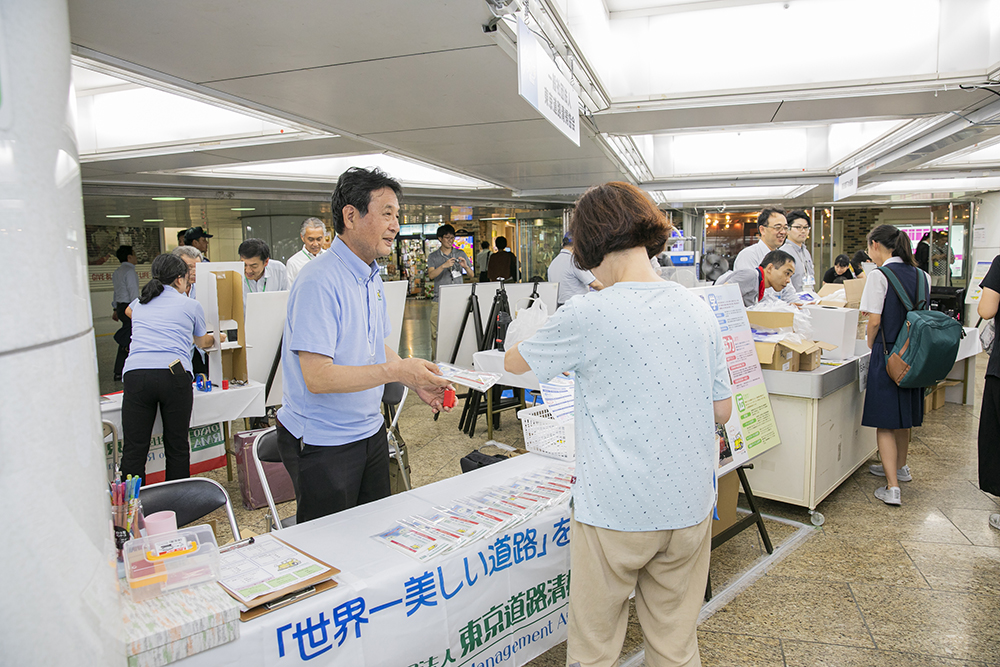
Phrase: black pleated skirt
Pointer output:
(886, 404)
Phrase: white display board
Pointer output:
(454, 301)
(395, 303)
(265, 323)
(751, 430)
(265, 317)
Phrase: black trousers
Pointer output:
(124, 339)
(989, 437)
(288, 449)
(145, 391)
(333, 479)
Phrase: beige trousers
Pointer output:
(667, 569)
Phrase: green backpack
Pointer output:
(927, 345)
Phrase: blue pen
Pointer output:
(138, 484)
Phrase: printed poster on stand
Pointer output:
(751, 430)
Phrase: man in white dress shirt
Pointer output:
(261, 273)
(795, 245)
(312, 232)
(773, 230)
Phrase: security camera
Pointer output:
(491, 25)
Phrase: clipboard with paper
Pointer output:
(265, 572)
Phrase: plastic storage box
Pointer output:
(163, 563)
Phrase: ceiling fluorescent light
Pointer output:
(628, 156)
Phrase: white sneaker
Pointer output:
(995, 521)
(888, 495)
(903, 474)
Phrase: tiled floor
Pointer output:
(917, 585)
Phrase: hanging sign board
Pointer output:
(751, 430)
(540, 82)
(845, 184)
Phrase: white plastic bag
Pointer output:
(526, 322)
(802, 324)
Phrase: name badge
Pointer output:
(455, 273)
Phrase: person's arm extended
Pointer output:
(514, 363)
(438, 270)
(204, 342)
(596, 285)
(989, 301)
(723, 410)
(874, 319)
(322, 376)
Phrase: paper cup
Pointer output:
(161, 522)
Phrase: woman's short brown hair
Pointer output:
(613, 217)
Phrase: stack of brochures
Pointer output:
(493, 510)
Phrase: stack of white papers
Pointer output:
(557, 394)
(466, 520)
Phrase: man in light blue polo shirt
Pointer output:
(335, 362)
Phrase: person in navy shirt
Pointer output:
(158, 370)
(334, 359)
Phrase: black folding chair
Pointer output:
(190, 499)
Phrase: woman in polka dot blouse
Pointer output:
(651, 382)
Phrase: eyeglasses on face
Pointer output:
(800, 227)
(777, 228)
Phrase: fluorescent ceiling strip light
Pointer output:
(328, 170)
(147, 82)
(931, 186)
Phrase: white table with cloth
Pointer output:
(499, 601)
(209, 441)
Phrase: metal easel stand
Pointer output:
(749, 520)
(473, 399)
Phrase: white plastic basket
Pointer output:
(544, 435)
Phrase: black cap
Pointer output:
(195, 233)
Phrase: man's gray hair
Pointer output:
(187, 251)
(310, 223)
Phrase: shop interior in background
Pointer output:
(535, 236)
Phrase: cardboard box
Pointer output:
(784, 356)
(777, 357)
(862, 333)
(729, 492)
(934, 399)
(852, 289)
(836, 326)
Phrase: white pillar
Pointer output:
(988, 218)
(60, 605)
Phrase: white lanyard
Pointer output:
(370, 333)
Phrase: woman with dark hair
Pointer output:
(646, 450)
(856, 261)
(839, 272)
(890, 409)
(158, 369)
(989, 415)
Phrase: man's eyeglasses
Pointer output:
(777, 228)
(800, 227)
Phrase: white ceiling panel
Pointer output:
(206, 41)
(476, 85)
(527, 140)
(625, 120)
(516, 170)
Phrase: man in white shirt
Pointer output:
(312, 232)
(773, 230)
(126, 285)
(572, 279)
(795, 245)
(261, 273)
